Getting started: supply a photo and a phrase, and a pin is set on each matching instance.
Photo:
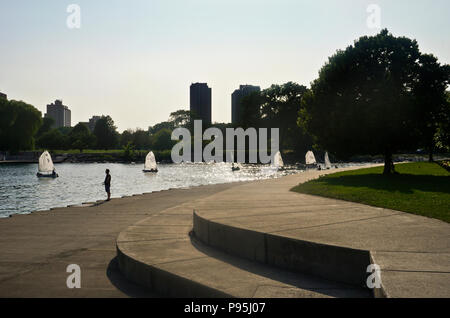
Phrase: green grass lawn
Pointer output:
(421, 188)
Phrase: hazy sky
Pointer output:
(134, 60)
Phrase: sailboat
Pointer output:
(46, 169)
(150, 163)
(278, 161)
(310, 160)
(327, 161)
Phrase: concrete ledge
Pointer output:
(165, 283)
(336, 263)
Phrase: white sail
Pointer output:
(150, 162)
(309, 158)
(277, 160)
(45, 163)
(327, 161)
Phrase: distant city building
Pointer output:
(3, 95)
(200, 102)
(60, 113)
(92, 122)
(236, 100)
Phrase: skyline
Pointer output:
(135, 62)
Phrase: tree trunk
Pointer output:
(430, 152)
(388, 164)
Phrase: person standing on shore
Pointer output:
(107, 184)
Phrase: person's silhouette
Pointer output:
(107, 184)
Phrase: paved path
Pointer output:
(35, 249)
(413, 251)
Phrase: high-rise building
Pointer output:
(3, 95)
(92, 121)
(61, 114)
(200, 102)
(236, 100)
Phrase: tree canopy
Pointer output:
(281, 104)
(364, 99)
(81, 138)
(277, 107)
(19, 123)
(106, 133)
(431, 99)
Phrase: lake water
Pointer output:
(22, 192)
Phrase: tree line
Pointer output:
(380, 95)
(104, 137)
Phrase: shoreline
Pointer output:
(165, 158)
(97, 202)
(36, 248)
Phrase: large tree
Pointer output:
(141, 139)
(106, 133)
(430, 95)
(19, 123)
(443, 130)
(126, 137)
(250, 115)
(180, 118)
(363, 100)
(163, 125)
(162, 140)
(47, 123)
(281, 104)
(81, 138)
(53, 140)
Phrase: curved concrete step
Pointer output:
(411, 251)
(341, 264)
(158, 253)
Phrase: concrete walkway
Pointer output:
(263, 221)
(35, 249)
(154, 249)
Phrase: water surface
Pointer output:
(22, 192)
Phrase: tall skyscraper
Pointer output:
(61, 114)
(236, 100)
(200, 102)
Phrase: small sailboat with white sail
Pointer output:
(327, 161)
(278, 161)
(150, 163)
(46, 169)
(310, 160)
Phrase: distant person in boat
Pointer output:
(54, 172)
(107, 184)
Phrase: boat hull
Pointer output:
(152, 170)
(52, 176)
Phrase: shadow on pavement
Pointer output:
(120, 282)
